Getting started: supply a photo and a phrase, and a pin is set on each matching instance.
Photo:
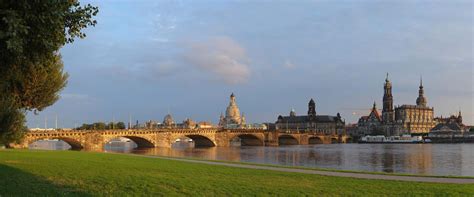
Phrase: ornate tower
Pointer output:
(459, 119)
(387, 111)
(421, 100)
(311, 108)
(232, 113)
(222, 120)
(292, 112)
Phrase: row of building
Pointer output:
(391, 121)
(234, 119)
(404, 119)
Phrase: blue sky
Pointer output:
(146, 58)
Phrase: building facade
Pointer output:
(311, 122)
(371, 124)
(404, 119)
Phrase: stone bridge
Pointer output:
(96, 139)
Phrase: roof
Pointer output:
(453, 126)
(299, 119)
(413, 107)
(376, 113)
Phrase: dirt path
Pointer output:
(327, 173)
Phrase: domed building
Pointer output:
(168, 121)
(233, 118)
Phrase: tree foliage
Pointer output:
(31, 70)
(12, 123)
(102, 126)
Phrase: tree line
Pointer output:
(102, 126)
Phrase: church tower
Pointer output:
(387, 110)
(459, 119)
(311, 108)
(421, 100)
(232, 113)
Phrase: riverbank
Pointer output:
(24, 172)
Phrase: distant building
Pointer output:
(448, 130)
(168, 122)
(205, 125)
(233, 118)
(449, 127)
(151, 124)
(189, 124)
(452, 118)
(371, 124)
(311, 122)
(404, 119)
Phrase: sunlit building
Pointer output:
(404, 119)
(311, 122)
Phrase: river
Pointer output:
(424, 159)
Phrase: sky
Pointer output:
(144, 59)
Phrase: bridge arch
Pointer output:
(248, 140)
(75, 144)
(139, 141)
(315, 140)
(287, 140)
(199, 140)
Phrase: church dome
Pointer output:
(168, 120)
(232, 113)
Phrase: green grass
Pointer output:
(53, 173)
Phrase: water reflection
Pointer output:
(49, 145)
(426, 159)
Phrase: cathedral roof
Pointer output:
(413, 107)
(452, 126)
(302, 119)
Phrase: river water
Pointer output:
(425, 159)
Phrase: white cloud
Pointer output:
(289, 64)
(222, 57)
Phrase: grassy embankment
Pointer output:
(24, 172)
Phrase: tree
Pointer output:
(120, 125)
(12, 123)
(99, 126)
(111, 125)
(31, 34)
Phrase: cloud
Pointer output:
(288, 64)
(220, 56)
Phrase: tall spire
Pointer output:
(421, 100)
(374, 107)
(311, 108)
(232, 99)
(388, 114)
(421, 81)
(459, 117)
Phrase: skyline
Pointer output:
(149, 57)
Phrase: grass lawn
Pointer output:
(25, 172)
